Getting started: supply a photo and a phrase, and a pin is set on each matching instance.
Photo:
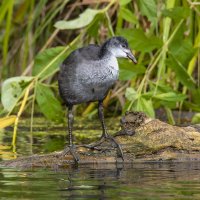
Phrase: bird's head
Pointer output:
(118, 47)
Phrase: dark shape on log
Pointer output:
(142, 139)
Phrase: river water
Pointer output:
(147, 181)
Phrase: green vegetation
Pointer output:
(36, 37)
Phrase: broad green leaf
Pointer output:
(182, 50)
(148, 95)
(124, 2)
(83, 20)
(129, 65)
(128, 15)
(45, 58)
(168, 104)
(160, 88)
(180, 54)
(191, 106)
(128, 70)
(170, 96)
(126, 75)
(145, 106)
(149, 9)
(176, 13)
(93, 29)
(48, 104)
(181, 72)
(179, 36)
(139, 41)
(196, 118)
(12, 90)
(131, 94)
(196, 96)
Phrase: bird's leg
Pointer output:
(70, 148)
(105, 135)
(101, 117)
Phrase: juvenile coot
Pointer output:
(86, 75)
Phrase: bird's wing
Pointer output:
(83, 63)
(84, 54)
(90, 52)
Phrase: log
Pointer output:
(142, 139)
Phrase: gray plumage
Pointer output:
(88, 73)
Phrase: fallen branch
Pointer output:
(142, 139)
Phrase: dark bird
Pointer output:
(86, 75)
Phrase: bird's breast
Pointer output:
(109, 71)
(113, 63)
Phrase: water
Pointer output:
(140, 181)
(149, 181)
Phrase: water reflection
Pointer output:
(138, 181)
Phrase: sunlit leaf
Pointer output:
(131, 94)
(46, 57)
(139, 41)
(181, 72)
(168, 104)
(128, 15)
(83, 20)
(170, 96)
(48, 104)
(148, 95)
(124, 2)
(128, 70)
(184, 52)
(160, 88)
(126, 75)
(93, 30)
(180, 54)
(191, 106)
(7, 121)
(176, 13)
(196, 96)
(145, 106)
(196, 118)
(12, 90)
(149, 9)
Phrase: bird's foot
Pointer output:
(71, 150)
(106, 137)
(116, 145)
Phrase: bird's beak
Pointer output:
(131, 56)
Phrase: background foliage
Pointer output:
(36, 36)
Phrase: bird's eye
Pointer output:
(123, 45)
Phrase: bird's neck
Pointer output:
(108, 57)
(104, 51)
